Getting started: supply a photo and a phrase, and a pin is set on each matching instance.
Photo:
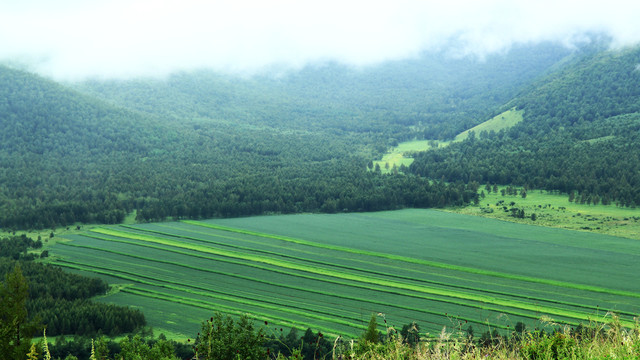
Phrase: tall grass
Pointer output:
(606, 339)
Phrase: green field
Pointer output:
(555, 210)
(502, 121)
(402, 154)
(330, 272)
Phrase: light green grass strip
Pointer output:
(140, 279)
(206, 292)
(286, 322)
(327, 263)
(279, 321)
(313, 291)
(352, 277)
(423, 262)
(333, 280)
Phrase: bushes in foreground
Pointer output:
(222, 338)
(605, 340)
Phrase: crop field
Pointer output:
(330, 272)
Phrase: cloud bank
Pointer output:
(76, 39)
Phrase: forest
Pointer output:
(200, 145)
(61, 299)
(579, 137)
(207, 145)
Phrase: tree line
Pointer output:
(34, 294)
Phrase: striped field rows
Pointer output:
(299, 281)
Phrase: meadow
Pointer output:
(555, 210)
(330, 272)
(403, 153)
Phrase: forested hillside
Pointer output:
(431, 96)
(203, 144)
(579, 136)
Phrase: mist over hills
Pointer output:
(202, 144)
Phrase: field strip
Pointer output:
(461, 302)
(413, 280)
(208, 305)
(305, 313)
(356, 278)
(298, 302)
(309, 290)
(275, 320)
(557, 283)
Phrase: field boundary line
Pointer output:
(525, 278)
(356, 278)
(372, 272)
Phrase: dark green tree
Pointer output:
(222, 338)
(371, 334)
(411, 334)
(15, 328)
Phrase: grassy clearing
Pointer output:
(331, 271)
(403, 153)
(555, 210)
(502, 121)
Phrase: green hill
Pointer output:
(579, 134)
(499, 122)
(69, 157)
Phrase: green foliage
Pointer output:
(371, 334)
(556, 346)
(16, 329)
(60, 300)
(411, 334)
(579, 134)
(135, 348)
(203, 145)
(225, 339)
(16, 247)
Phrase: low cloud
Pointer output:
(76, 39)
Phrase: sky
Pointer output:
(79, 39)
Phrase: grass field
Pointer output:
(402, 154)
(555, 210)
(502, 121)
(330, 272)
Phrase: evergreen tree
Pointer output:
(15, 330)
(371, 335)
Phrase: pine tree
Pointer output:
(15, 330)
(371, 334)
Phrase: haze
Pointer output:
(75, 39)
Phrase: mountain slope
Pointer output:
(579, 134)
(432, 96)
(67, 158)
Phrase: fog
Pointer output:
(76, 39)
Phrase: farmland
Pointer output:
(330, 272)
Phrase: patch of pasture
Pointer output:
(555, 210)
(330, 272)
(499, 122)
(402, 154)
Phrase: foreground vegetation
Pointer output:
(223, 338)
